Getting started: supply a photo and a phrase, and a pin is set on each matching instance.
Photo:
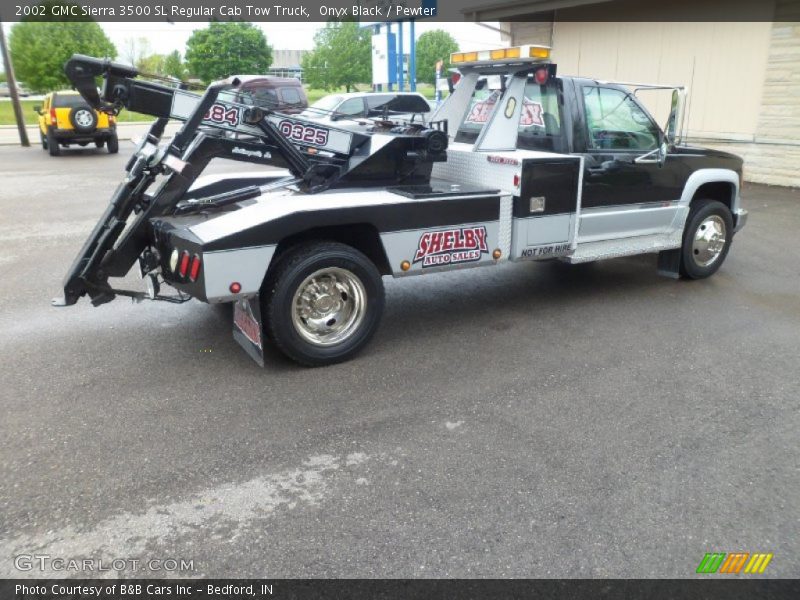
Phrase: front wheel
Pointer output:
(706, 239)
(322, 303)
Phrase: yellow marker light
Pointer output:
(457, 57)
(470, 56)
(405, 265)
(512, 52)
(497, 54)
(539, 52)
(497, 253)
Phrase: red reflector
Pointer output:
(516, 180)
(541, 76)
(183, 267)
(195, 269)
(235, 288)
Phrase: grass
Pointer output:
(7, 111)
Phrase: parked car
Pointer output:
(5, 90)
(357, 107)
(283, 94)
(65, 119)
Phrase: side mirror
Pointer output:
(672, 120)
(37, 109)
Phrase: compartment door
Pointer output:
(545, 211)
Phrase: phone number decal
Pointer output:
(303, 133)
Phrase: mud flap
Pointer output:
(247, 327)
(669, 263)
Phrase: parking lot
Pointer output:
(531, 420)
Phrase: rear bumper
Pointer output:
(70, 135)
(739, 219)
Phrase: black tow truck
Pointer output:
(517, 164)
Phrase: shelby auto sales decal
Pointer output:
(308, 134)
(245, 321)
(451, 246)
(531, 112)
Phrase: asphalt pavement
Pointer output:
(530, 420)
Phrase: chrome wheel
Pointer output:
(84, 118)
(329, 306)
(709, 241)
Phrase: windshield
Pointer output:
(323, 106)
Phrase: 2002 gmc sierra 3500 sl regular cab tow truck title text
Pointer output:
(517, 164)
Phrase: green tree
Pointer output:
(433, 46)
(173, 65)
(39, 49)
(229, 48)
(342, 56)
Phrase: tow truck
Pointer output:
(532, 167)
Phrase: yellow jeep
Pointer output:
(65, 118)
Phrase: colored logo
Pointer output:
(732, 563)
(451, 246)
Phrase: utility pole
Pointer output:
(12, 90)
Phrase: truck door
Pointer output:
(623, 196)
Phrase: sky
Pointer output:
(165, 37)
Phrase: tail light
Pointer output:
(53, 118)
(183, 267)
(541, 76)
(112, 120)
(194, 270)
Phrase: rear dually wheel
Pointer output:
(322, 303)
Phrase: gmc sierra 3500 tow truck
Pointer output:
(517, 164)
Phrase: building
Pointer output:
(287, 63)
(739, 60)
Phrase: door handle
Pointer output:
(609, 166)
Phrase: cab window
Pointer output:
(263, 97)
(540, 121)
(352, 107)
(616, 122)
(290, 95)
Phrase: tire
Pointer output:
(113, 144)
(306, 330)
(99, 143)
(706, 239)
(83, 119)
(43, 140)
(52, 144)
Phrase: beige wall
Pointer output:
(743, 78)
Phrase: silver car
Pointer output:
(360, 109)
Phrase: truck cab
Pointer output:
(637, 180)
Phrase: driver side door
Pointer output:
(623, 197)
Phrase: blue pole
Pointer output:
(412, 58)
(389, 44)
(400, 56)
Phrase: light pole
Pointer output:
(12, 90)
